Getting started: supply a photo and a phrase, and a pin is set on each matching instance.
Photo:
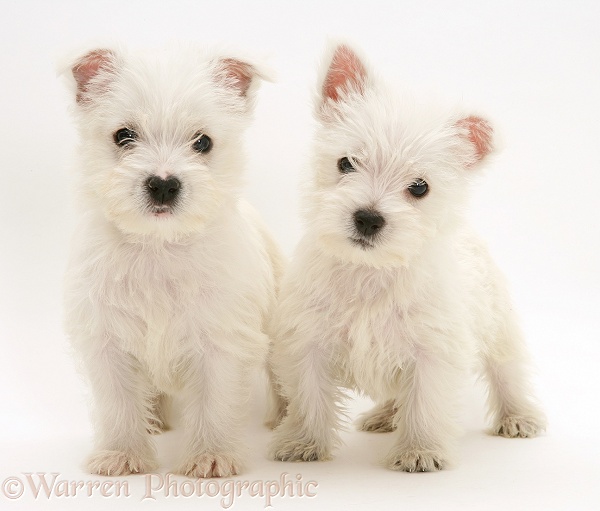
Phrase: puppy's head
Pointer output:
(390, 175)
(161, 136)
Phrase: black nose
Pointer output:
(163, 191)
(368, 223)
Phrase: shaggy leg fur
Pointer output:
(379, 419)
(511, 406)
(159, 410)
(215, 399)
(309, 430)
(276, 403)
(122, 403)
(427, 427)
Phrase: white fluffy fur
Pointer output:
(404, 320)
(172, 304)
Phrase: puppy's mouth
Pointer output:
(363, 243)
(161, 211)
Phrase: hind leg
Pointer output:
(511, 404)
(276, 403)
(380, 419)
(159, 407)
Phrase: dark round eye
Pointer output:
(345, 165)
(202, 144)
(418, 188)
(124, 137)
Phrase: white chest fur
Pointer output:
(161, 301)
(157, 293)
(376, 321)
(374, 339)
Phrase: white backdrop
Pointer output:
(532, 65)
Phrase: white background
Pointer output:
(533, 66)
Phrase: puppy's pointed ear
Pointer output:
(240, 76)
(480, 137)
(345, 75)
(93, 72)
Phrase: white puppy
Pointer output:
(388, 292)
(171, 275)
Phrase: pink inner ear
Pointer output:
(239, 74)
(479, 133)
(88, 67)
(346, 71)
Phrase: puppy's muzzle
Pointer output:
(368, 223)
(163, 192)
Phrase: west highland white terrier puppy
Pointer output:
(172, 275)
(388, 292)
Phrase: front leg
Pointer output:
(426, 422)
(512, 406)
(215, 399)
(309, 431)
(122, 402)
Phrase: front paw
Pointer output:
(519, 427)
(416, 460)
(207, 465)
(119, 463)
